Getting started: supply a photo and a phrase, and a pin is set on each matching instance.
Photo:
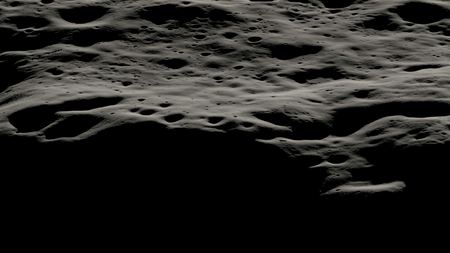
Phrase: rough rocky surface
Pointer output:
(283, 101)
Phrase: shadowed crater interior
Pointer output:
(421, 12)
(337, 3)
(83, 14)
(287, 51)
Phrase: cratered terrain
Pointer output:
(245, 101)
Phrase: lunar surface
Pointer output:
(344, 100)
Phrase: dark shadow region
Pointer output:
(348, 120)
(36, 118)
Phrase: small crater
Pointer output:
(83, 14)
(435, 28)
(174, 63)
(287, 52)
(55, 71)
(420, 67)
(315, 101)
(172, 118)
(200, 36)
(160, 14)
(422, 135)
(238, 67)
(205, 54)
(361, 93)
(215, 120)
(165, 104)
(337, 3)
(147, 112)
(375, 132)
(254, 39)
(230, 35)
(380, 23)
(247, 124)
(16, 4)
(214, 64)
(337, 159)
(421, 12)
(127, 83)
(415, 131)
(221, 49)
(306, 75)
